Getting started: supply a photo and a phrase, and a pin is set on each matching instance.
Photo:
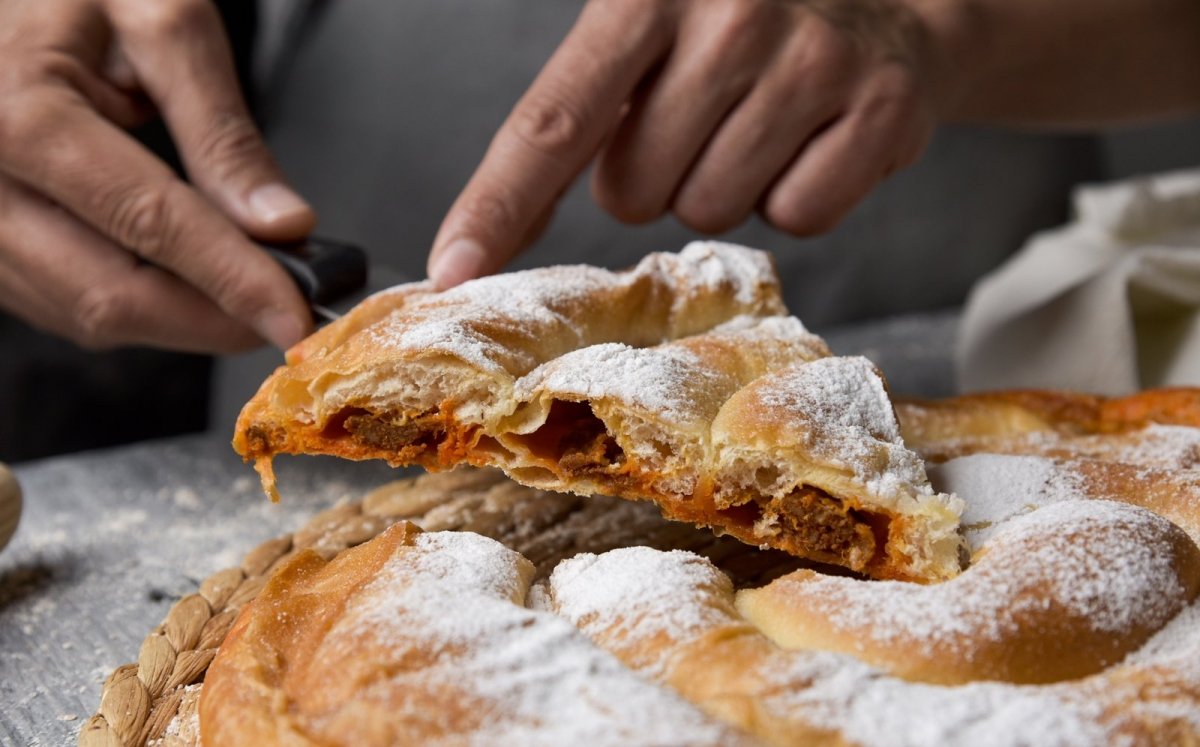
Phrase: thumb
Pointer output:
(181, 55)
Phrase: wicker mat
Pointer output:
(154, 700)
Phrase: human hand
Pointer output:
(99, 241)
(708, 109)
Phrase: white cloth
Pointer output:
(1107, 304)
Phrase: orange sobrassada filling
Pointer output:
(574, 443)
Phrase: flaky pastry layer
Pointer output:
(681, 381)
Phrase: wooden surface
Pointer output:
(108, 540)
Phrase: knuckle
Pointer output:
(897, 87)
(891, 102)
(639, 18)
(616, 191)
(549, 123)
(807, 70)
(627, 209)
(139, 217)
(34, 68)
(828, 56)
(491, 213)
(21, 119)
(741, 23)
(230, 142)
(240, 294)
(176, 19)
(697, 209)
(99, 315)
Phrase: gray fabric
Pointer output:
(390, 105)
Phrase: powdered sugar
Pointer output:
(1176, 645)
(495, 323)
(661, 380)
(587, 590)
(515, 321)
(996, 488)
(1155, 445)
(716, 266)
(658, 352)
(1103, 566)
(672, 595)
(838, 693)
(532, 677)
(1166, 446)
(671, 381)
(849, 421)
(842, 393)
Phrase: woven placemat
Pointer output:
(141, 699)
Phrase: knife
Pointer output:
(332, 275)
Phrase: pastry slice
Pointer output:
(680, 381)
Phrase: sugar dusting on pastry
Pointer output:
(1072, 568)
(659, 380)
(476, 321)
(838, 693)
(458, 597)
(852, 421)
(640, 582)
(586, 380)
(1001, 487)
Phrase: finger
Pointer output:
(118, 70)
(123, 107)
(840, 166)
(180, 54)
(806, 87)
(23, 301)
(67, 279)
(716, 59)
(104, 177)
(70, 53)
(552, 133)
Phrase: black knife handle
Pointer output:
(324, 270)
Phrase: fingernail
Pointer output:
(282, 329)
(275, 203)
(461, 260)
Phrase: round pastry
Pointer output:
(1076, 623)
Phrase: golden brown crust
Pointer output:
(262, 686)
(1033, 421)
(424, 639)
(1077, 621)
(989, 629)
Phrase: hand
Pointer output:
(708, 109)
(99, 241)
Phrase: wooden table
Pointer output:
(110, 539)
